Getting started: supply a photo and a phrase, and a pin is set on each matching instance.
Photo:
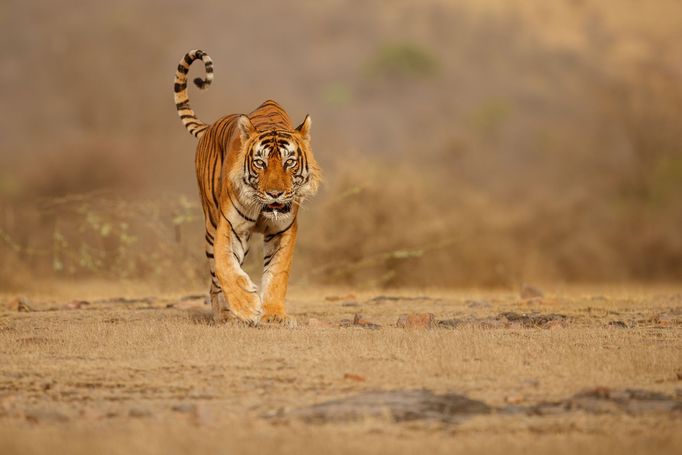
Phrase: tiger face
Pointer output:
(278, 170)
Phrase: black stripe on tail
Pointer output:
(189, 119)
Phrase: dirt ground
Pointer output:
(571, 370)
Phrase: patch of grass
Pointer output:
(403, 60)
(337, 94)
(135, 374)
(490, 116)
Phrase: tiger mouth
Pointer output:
(277, 207)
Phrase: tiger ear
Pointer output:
(304, 128)
(246, 128)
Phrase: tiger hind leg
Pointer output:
(221, 311)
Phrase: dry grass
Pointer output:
(104, 378)
(464, 143)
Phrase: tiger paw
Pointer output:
(245, 306)
(221, 312)
(281, 319)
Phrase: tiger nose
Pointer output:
(274, 194)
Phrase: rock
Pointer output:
(139, 412)
(359, 320)
(451, 323)
(597, 392)
(96, 414)
(76, 305)
(530, 292)
(556, 324)
(514, 399)
(491, 323)
(397, 405)
(396, 298)
(664, 320)
(618, 324)
(603, 400)
(451, 408)
(548, 409)
(197, 413)
(337, 298)
(478, 304)
(185, 408)
(532, 320)
(416, 321)
(45, 416)
(21, 304)
(275, 413)
(354, 377)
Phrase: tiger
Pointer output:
(253, 171)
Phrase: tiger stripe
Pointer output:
(253, 172)
(189, 119)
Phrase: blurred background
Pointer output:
(464, 143)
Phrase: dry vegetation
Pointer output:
(153, 375)
(472, 143)
(492, 142)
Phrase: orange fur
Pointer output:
(253, 172)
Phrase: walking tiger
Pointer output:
(253, 171)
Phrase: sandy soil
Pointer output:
(571, 371)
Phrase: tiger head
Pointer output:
(278, 168)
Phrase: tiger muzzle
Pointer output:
(281, 207)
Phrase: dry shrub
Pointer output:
(495, 144)
(104, 236)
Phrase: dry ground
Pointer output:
(155, 376)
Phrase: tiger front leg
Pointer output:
(278, 254)
(240, 293)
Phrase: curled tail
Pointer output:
(195, 126)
